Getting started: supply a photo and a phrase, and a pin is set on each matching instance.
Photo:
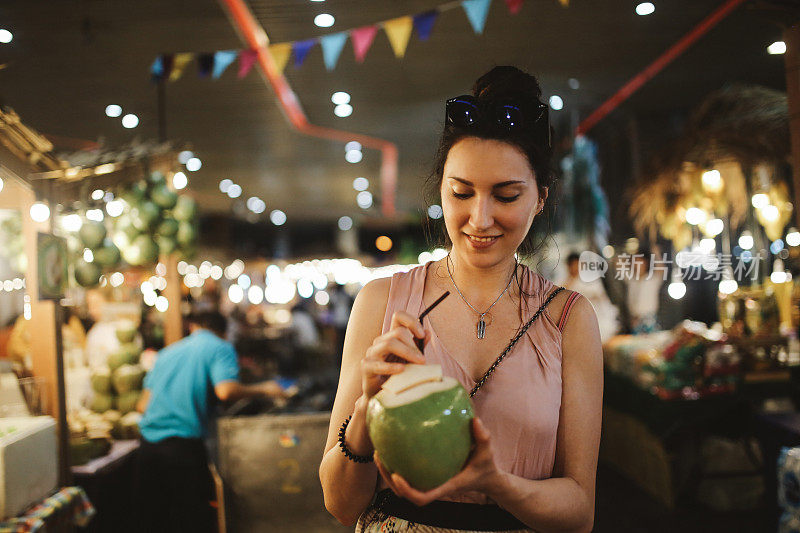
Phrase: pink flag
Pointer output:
(514, 6)
(247, 59)
(362, 40)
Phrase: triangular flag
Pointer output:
(280, 54)
(179, 65)
(476, 10)
(223, 60)
(332, 48)
(205, 62)
(362, 40)
(301, 49)
(514, 6)
(399, 31)
(423, 23)
(247, 59)
(157, 69)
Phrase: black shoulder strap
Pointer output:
(511, 344)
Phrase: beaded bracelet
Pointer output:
(347, 453)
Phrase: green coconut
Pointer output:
(126, 403)
(101, 380)
(87, 274)
(92, 233)
(163, 197)
(187, 234)
(167, 228)
(107, 256)
(101, 402)
(145, 215)
(143, 250)
(128, 378)
(185, 208)
(126, 331)
(166, 245)
(128, 354)
(135, 193)
(420, 425)
(157, 178)
(129, 425)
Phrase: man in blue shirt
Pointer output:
(175, 483)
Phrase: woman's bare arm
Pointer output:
(347, 486)
(566, 501)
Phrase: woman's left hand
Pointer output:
(478, 474)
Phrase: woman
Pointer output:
(537, 426)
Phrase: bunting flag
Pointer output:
(247, 59)
(423, 23)
(280, 54)
(477, 11)
(179, 63)
(332, 46)
(157, 69)
(514, 6)
(222, 60)
(362, 40)
(301, 49)
(205, 63)
(399, 32)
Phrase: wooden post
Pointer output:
(46, 341)
(791, 36)
(173, 320)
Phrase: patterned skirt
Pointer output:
(389, 514)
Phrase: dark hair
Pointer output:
(502, 82)
(574, 256)
(211, 320)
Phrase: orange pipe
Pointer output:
(256, 38)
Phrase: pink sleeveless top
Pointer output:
(519, 404)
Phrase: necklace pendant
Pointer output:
(481, 328)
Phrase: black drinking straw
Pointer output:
(428, 310)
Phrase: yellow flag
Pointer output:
(280, 54)
(179, 63)
(399, 31)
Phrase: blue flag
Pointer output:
(423, 23)
(476, 10)
(332, 46)
(301, 49)
(223, 60)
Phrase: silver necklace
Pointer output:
(481, 325)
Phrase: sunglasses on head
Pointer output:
(466, 112)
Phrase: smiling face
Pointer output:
(489, 198)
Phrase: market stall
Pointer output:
(718, 202)
(84, 232)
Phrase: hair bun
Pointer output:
(507, 81)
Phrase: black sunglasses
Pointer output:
(466, 111)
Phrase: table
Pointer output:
(110, 482)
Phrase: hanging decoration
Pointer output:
(246, 61)
(477, 11)
(362, 40)
(398, 31)
(332, 46)
(222, 60)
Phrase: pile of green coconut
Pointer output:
(118, 385)
(155, 220)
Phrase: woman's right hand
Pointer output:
(390, 352)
